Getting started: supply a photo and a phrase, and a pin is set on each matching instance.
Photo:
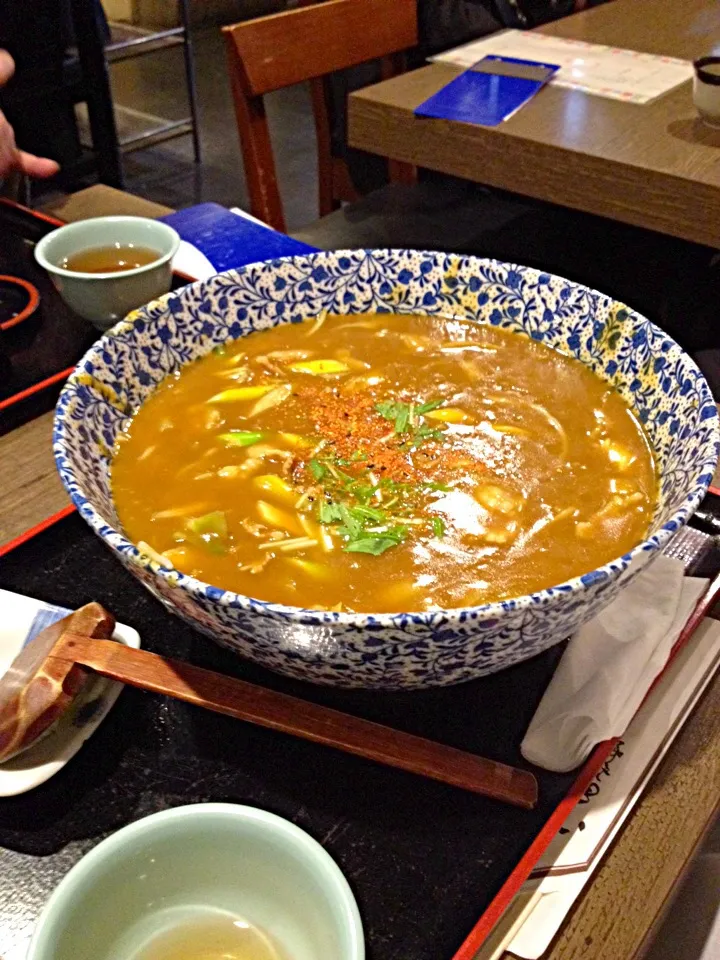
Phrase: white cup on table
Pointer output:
(706, 89)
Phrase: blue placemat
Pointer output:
(229, 240)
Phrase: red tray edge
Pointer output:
(503, 898)
(598, 757)
(31, 532)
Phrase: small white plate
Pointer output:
(22, 619)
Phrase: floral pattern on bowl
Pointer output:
(659, 381)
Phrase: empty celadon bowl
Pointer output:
(105, 298)
(184, 865)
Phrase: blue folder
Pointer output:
(230, 241)
(489, 92)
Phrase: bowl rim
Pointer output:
(332, 877)
(607, 572)
(77, 226)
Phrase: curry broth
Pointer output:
(384, 463)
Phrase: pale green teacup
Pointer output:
(191, 862)
(105, 298)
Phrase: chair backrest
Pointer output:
(306, 43)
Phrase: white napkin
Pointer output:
(193, 263)
(609, 665)
(190, 261)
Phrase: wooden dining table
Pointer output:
(653, 165)
(617, 913)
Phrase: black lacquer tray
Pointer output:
(424, 860)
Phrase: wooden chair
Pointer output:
(308, 43)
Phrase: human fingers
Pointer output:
(8, 151)
(33, 166)
(7, 67)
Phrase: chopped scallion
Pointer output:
(368, 513)
(241, 438)
(210, 523)
(427, 407)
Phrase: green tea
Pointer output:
(114, 258)
(215, 937)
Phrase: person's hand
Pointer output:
(12, 159)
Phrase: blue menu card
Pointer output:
(489, 92)
(230, 241)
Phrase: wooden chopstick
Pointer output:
(279, 711)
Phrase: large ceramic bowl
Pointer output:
(659, 381)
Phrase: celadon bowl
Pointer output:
(189, 863)
(409, 649)
(103, 298)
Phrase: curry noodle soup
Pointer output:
(384, 463)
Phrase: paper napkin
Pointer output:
(609, 666)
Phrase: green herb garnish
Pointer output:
(368, 526)
(361, 491)
(379, 543)
(372, 545)
(422, 435)
(330, 512)
(404, 416)
(388, 409)
(396, 411)
(351, 526)
(317, 469)
(402, 419)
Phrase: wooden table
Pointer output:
(654, 165)
(617, 913)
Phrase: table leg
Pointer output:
(98, 96)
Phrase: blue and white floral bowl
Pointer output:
(660, 382)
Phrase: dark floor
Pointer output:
(167, 174)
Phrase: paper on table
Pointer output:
(604, 71)
(609, 665)
(544, 901)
